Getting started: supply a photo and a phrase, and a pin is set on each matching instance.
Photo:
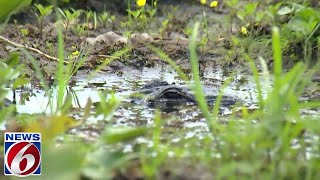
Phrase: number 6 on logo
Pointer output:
(22, 159)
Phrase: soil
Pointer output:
(173, 42)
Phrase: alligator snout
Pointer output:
(170, 94)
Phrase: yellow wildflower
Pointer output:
(154, 3)
(203, 1)
(214, 4)
(141, 3)
(75, 53)
(244, 30)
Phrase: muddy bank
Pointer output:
(173, 41)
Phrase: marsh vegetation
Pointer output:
(101, 81)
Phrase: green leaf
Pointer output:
(308, 14)
(299, 25)
(13, 60)
(136, 13)
(9, 7)
(251, 8)
(24, 32)
(285, 10)
(107, 106)
(67, 104)
(232, 3)
(52, 165)
(20, 81)
(44, 11)
(120, 134)
(62, 13)
(100, 163)
(40, 8)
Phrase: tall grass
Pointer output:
(210, 116)
(60, 79)
(200, 97)
(280, 123)
(58, 92)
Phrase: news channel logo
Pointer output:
(22, 154)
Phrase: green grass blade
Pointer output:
(82, 57)
(37, 69)
(277, 55)
(60, 78)
(170, 61)
(256, 79)
(201, 99)
(216, 106)
(107, 61)
(265, 75)
(309, 104)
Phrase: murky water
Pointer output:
(186, 118)
(128, 114)
(129, 81)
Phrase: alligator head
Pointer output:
(160, 93)
(170, 94)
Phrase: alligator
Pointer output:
(160, 93)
